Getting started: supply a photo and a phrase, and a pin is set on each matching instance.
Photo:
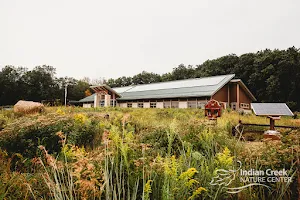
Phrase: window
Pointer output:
(191, 104)
(167, 104)
(102, 103)
(233, 106)
(174, 104)
(141, 105)
(201, 104)
(153, 105)
(129, 105)
(113, 102)
(245, 105)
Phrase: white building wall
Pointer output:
(123, 105)
(183, 104)
(134, 105)
(107, 101)
(97, 100)
(87, 105)
(160, 105)
(146, 104)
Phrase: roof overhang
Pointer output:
(104, 87)
(242, 84)
(224, 82)
(88, 99)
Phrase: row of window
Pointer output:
(244, 105)
(196, 104)
(171, 104)
(191, 104)
(141, 105)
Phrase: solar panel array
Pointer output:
(271, 109)
(179, 84)
(122, 89)
(199, 87)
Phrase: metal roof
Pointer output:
(208, 81)
(271, 109)
(199, 87)
(122, 89)
(87, 99)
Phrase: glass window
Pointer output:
(102, 103)
(233, 106)
(129, 105)
(153, 105)
(141, 105)
(191, 104)
(175, 104)
(167, 104)
(244, 105)
(113, 102)
(201, 104)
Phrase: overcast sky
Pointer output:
(122, 38)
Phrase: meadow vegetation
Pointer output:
(77, 153)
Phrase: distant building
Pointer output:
(189, 93)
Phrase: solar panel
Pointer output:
(199, 87)
(122, 89)
(207, 81)
(271, 109)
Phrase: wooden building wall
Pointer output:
(233, 93)
(222, 94)
(244, 98)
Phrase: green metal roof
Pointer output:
(87, 99)
(199, 87)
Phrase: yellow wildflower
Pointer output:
(197, 192)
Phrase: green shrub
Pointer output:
(3, 121)
(27, 134)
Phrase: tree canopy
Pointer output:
(39, 84)
(271, 75)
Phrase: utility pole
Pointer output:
(66, 93)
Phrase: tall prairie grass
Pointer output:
(78, 153)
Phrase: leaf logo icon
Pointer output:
(225, 177)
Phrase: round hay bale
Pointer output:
(28, 107)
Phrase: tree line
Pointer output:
(271, 75)
(39, 84)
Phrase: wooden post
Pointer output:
(272, 124)
(237, 96)
(114, 99)
(228, 93)
(96, 100)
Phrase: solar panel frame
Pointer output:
(271, 109)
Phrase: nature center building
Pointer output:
(188, 93)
